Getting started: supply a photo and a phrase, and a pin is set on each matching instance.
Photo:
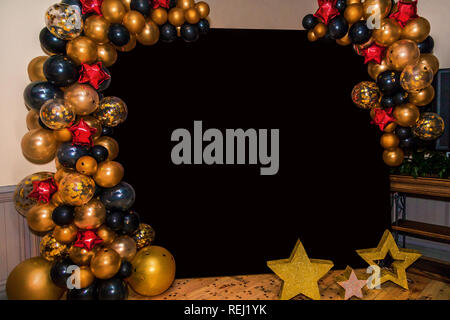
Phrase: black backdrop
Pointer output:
(332, 189)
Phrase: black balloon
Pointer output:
(63, 215)
(76, 3)
(427, 45)
(401, 98)
(387, 102)
(118, 35)
(114, 220)
(120, 197)
(403, 132)
(168, 33)
(359, 33)
(189, 32)
(38, 92)
(341, 5)
(338, 27)
(131, 222)
(60, 71)
(389, 82)
(59, 273)
(107, 131)
(99, 153)
(68, 154)
(112, 289)
(203, 26)
(142, 6)
(408, 143)
(106, 83)
(172, 3)
(125, 270)
(88, 293)
(51, 43)
(309, 21)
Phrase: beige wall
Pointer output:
(21, 21)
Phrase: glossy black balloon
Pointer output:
(51, 43)
(120, 197)
(172, 3)
(88, 293)
(63, 215)
(114, 220)
(401, 98)
(118, 35)
(203, 26)
(359, 33)
(427, 46)
(125, 270)
(76, 3)
(408, 143)
(98, 191)
(341, 5)
(60, 71)
(68, 154)
(131, 222)
(189, 32)
(107, 131)
(99, 153)
(309, 21)
(112, 289)
(338, 27)
(60, 273)
(389, 82)
(106, 83)
(403, 132)
(387, 102)
(38, 92)
(168, 33)
(142, 6)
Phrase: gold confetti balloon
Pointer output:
(144, 236)
(57, 114)
(430, 126)
(21, 201)
(416, 77)
(111, 112)
(64, 21)
(366, 95)
(51, 249)
(76, 189)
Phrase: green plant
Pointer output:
(425, 163)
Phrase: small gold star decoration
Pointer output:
(403, 258)
(351, 284)
(300, 274)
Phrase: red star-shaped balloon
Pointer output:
(383, 117)
(373, 53)
(43, 190)
(93, 74)
(88, 6)
(161, 3)
(87, 239)
(406, 11)
(327, 10)
(82, 134)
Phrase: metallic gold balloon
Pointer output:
(366, 95)
(39, 146)
(90, 215)
(375, 69)
(203, 9)
(401, 54)
(416, 77)
(86, 165)
(417, 30)
(61, 173)
(350, 2)
(393, 157)
(134, 21)
(430, 126)
(389, 140)
(86, 277)
(374, 6)
(406, 115)
(149, 35)
(108, 174)
(76, 189)
(320, 30)
(96, 28)
(81, 256)
(129, 46)
(30, 280)
(430, 61)
(113, 10)
(423, 97)
(62, 135)
(107, 54)
(159, 16)
(82, 50)
(153, 271)
(127, 4)
(57, 114)
(344, 41)
(93, 123)
(390, 127)
(35, 69)
(32, 120)
(51, 249)
(39, 217)
(110, 144)
(105, 263)
(192, 16)
(353, 13)
(125, 246)
(111, 111)
(312, 36)
(65, 234)
(176, 16)
(56, 199)
(144, 236)
(106, 234)
(388, 33)
(185, 4)
(83, 97)
(22, 202)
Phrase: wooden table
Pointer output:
(422, 286)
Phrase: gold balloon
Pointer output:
(312, 36)
(344, 41)
(320, 30)
(86, 165)
(57, 114)
(388, 33)
(374, 6)
(39, 217)
(430, 61)
(93, 123)
(127, 4)
(134, 21)
(76, 189)
(81, 256)
(60, 174)
(129, 46)
(86, 277)
(22, 202)
(90, 216)
(390, 127)
(110, 144)
(125, 247)
(149, 35)
(389, 140)
(51, 249)
(107, 54)
(35, 69)
(106, 234)
(65, 234)
(185, 4)
(353, 13)
(416, 77)
(430, 126)
(96, 28)
(111, 111)
(33, 120)
(144, 236)
(30, 280)
(56, 199)
(192, 15)
(401, 54)
(153, 271)
(176, 16)
(159, 16)
(113, 10)
(105, 263)
(423, 97)
(417, 30)
(83, 97)
(39, 146)
(349, 2)
(366, 95)
(393, 157)
(406, 115)
(82, 50)
(62, 135)
(375, 69)
(109, 174)
(203, 9)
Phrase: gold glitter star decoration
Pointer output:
(403, 258)
(351, 284)
(300, 274)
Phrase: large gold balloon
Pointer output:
(57, 114)
(105, 263)
(93, 123)
(153, 271)
(110, 144)
(83, 97)
(96, 28)
(39, 217)
(366, 95)
(393, 157)
(430, 126)
(32, 120)
(76, 189)
(144, 236)
(203, 8)
(159, 16)
(375, 69)
(81, 256)
(113, 10)
(62, 135)
(176, 16)
(125, 246)
(417, 30)
(82, 50)
(353, 13)
(401, 54)
(130, 45)
(107, 54)
(39, 146)
(430, 61)
(30, 280)
(416, 77)
(65, 234)
(108, 174)
(192, 16)
(406, 115)
(106, 234)
(389, 140)
(51, 249)
(388, 33)
(86, 165)
(35, 69)
(111, 111)
(134, 21)
(90, 215)
(423, 97)
(185, 4)
(22, 202)
(371, 7)
(149, 35)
